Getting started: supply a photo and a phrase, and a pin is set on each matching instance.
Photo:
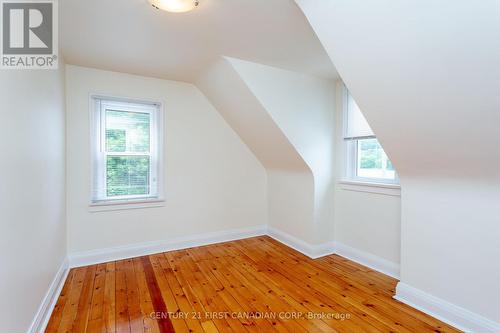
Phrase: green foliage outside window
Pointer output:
(390, 166)
(370, 154)
(127, 175)
(127, 132)
(116, 140)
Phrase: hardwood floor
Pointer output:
(255, 284)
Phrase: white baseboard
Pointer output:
(48, 303)
(135, 250)
(449, 313)
(310, 250)
(316, 251)
(367, 259)
(438, 308)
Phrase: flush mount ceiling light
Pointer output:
(175, 6)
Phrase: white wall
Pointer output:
(303, 108)
(32, 191)
(299, 116)
(213, 182)
(369, 222)
(459, 253)
(286, 119)
(232, 98)
(291, 203)
(426, 75)
(290, 182)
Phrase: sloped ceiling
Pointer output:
(230, 95)
(425, 73)
(286, 119)
(300, 105)
(131, 36)
(302, 108)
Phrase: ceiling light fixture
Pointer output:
(175, 6)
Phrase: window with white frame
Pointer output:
(366, 160)
(126, 138)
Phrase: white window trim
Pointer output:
(364, 186)
(155, 108)
(123, 204)
(351, 157)
(350, 181)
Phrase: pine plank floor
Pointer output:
(250, 285)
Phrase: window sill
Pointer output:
(125, 204)
(378, 188)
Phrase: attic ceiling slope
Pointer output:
(426, 75)
(228, 92)
(132, 37)
(302, 107)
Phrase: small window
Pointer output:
(366, 160)
(126, 153)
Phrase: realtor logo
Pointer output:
(29, 34)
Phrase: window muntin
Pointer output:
(366, 160)
(126, 137)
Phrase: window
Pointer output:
(125, 150)
(365, 158)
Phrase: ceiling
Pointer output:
(131, 36)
